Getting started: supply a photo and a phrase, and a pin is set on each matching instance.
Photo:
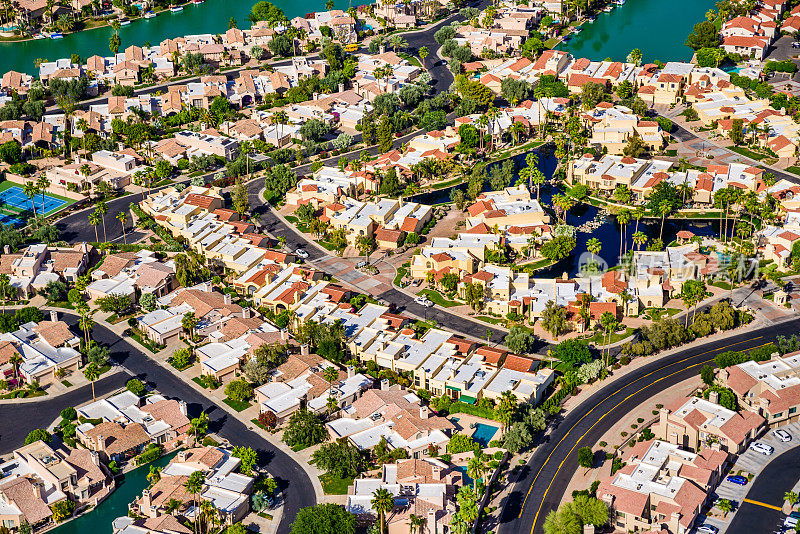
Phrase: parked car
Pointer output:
(790, 522)
(737, 479)
(782, 435)
(301, 253)
(761, 448)
(422, 301)
(707, 529)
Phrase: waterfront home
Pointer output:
(513, 206)
(38, 476)
(228, 491)
(613, 126)
(120, 426)
(423, 488)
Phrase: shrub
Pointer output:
(136, 387)
(239, 390)
(69, 414)
(268, 420)
(461, 443)
(585, 457)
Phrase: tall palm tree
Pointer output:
(94, 220)
(194, 485)
(173, 505)
(5, 280)
(415, 523)
(92, 373)
(83, 126)
(664, 208)
(122, 217)
(331, 375)
(30, 191)
(639, 238)
(102, 209)
(475, 470)
(280, 118)
(382, 502)
(594, 246)
(42, 183)
(623, 218)
(86, 324)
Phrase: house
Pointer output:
(770, 389)
(38, 476)
(124, 273)
(662, 488)
(300, 383)
(393, 414)
(512, 206)
(695, 423)
(234, 344)
(421, 487)
(120, 426)
(228, 491)
(47, 349)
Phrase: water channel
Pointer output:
(209, 17)
(657, 27)
(99, 520)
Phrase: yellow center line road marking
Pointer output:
(539, 510)
(765, 505)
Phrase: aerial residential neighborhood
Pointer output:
(376, 268)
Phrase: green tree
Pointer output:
(562, 521)
(304, 429)
(520, 340)
(704, 35)
(136, 387)
(590, 510)
(585, 457)
(382, 502)
(324, 519)
(38, 435)
(737, 132)
(239, 390)
(340, 458)
(248, 457)
(92, 373)
(554, 319)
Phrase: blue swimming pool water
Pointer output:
(15, 197)
(484, 433)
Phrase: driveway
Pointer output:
(757, 505)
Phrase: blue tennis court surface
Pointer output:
(15, 198)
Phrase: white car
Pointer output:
(422, 301)
(301, 253)
(782, 435)
(761, 448)
(708, 529)
(790, 522)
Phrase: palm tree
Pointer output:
(594, 246)
(639, 239)
(664, 208)
(15, 360)
(154, 475)
(94, 220)
(5, 280)
(280, 118)
(398, 42)
(173, 505)
(791, 497)
(382, 502)
(415, 523)
(102, 209)
(423, 53)
(42, 184)
(122, 217)
(194, 485)
(82, 125)
(86, 324)
(30, 191)
(92, 373)
(475, 470)
(623, 218)
(331, 375)
(638, 214)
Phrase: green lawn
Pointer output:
(237, 405)
(748, 153)
(401, 272)
(332, 485)
(442, 185)
(599, 338)
(67, 383)
(438, 298)
(550, 43)
(488, 319)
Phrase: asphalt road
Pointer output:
(777, 477)
(545, 478)
(19, 419)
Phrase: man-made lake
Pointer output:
(212, 16)
(98, 521)
(657, 27)
(606, 230)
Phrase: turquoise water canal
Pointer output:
(98, 521)
(657, 27)
(212, 16)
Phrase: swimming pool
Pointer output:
(484, 433)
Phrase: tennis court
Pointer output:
(13, 200)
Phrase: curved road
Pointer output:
(547, 474)
(298, 491)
